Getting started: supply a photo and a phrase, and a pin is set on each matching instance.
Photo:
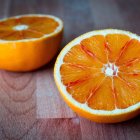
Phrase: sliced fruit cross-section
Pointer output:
(28, 42)
(98, 74)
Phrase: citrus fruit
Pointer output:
(28, 42)
(98, 75)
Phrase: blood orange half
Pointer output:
(98, 75)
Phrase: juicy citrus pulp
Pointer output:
(27, 27)
(30, 41)
(99, 74)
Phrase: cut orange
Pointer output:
(28, 42)
(98, 75)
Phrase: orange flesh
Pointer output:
(84, 74)
(36, 28)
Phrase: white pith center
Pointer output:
(20, 27)
(110, 69)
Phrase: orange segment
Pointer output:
(29, 34)
(8, 24)
(95, 46)
(103, 97)
(75, 73)
(99, 77)
(81, 90)
(132, 66)
(130, 53)
(127, 90)
(7, 34)
(83, 58)
(116, 43)
(45, 26)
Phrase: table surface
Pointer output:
(30, 105)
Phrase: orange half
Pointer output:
(98, 75)
(28, 42)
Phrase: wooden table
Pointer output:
(30, 105)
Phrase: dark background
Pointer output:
(30, 105)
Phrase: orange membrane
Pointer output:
(26, 27)
(103, 72)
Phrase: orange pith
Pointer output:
(103, 72)
(35, 27)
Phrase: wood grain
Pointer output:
(30, 105)
(63, 129)
(4, 8)
(18, 104)
(129, 12)
(129, 130)
(106, 14)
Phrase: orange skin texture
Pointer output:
(27, 56)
